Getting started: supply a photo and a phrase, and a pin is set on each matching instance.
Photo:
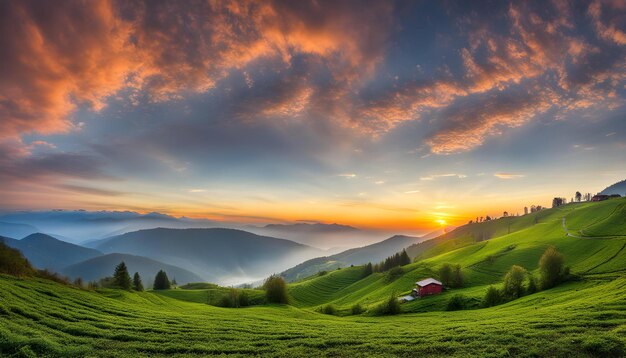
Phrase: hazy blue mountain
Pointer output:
(358, 256)
(332, 237)
(16, 230)
(103, 266)
(80, 226)
(617, 188)
(46, 252)
(224, 256)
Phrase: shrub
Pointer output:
(394, 273)
(322, 273)
(390, 307)
(513, 282)
(457, 302)
(493, 297)
(329, 309)
(161, 282)
(551, 266)
(276, 290)
(607, 345)
(357, 309)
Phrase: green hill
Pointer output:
(581, 318)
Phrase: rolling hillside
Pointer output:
(581, 318)
(103, 266)
(485, 262)
(224, 256)
(46, 252)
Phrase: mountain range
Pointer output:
(225, 256)
(102, 266)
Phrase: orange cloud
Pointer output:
(68, 54)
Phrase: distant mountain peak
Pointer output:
(617, 188)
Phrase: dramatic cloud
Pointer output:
(69, 54)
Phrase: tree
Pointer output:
(525, 210)
(276, 290)
(174, 283)
(389, 307)
(161, 282)
(532, 284)
(513, 282)
(551, 267)
(492, 297)
(121, 278)
(457, 279)
(404, 258)
(579, 196)
(368, 270)
(13, 263)
(137, 284)
(445, 274)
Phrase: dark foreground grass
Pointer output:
(41, 318)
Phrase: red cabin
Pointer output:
(429, 286)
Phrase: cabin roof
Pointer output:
(427, 282)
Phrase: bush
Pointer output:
(551, 266)
(513, 282)
(329, 309)
(276, 290)
(457, 302)
(607, 345)
(394, 273)
(389, 307)
(322, 273)
(493, 297)
(357, 309)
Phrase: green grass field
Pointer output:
(581, 318)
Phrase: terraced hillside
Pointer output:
(581, 318)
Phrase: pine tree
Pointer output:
(137, 284)
(121, 278)
(368, 270)
(161, 282)
(404, 258)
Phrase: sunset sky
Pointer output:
(399, 115)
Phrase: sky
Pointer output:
(403, 115)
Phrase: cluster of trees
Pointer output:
(451, 275)
(518, 281)
(398, 259)
(121, 280)
(556, 202)
(235, 299)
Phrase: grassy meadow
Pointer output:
(580, 318)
